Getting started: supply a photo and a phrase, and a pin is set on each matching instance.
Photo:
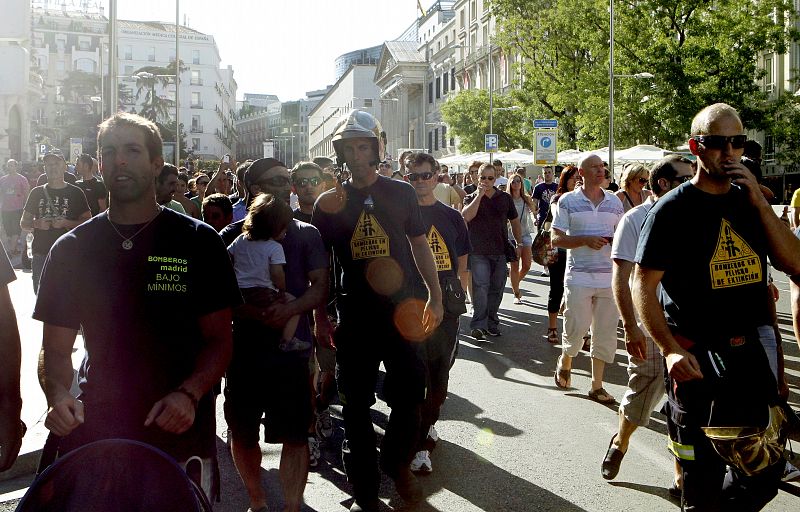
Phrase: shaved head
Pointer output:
(705, 119)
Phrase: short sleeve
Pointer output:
(796, 199)
(463, 245)
(315, 252)
(31, 204)
(214, 264)
(537, 192)
(657, 247)
(511, 210)
(414, 225)
(561, 215)
(58, 280)
(625, 239)
(276, 255)
(81, 205)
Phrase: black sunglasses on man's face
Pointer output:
(720, 141)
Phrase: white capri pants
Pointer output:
(595, 308)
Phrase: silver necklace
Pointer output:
(127, 242)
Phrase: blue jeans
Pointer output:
(489, 273)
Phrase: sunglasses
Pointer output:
(490, 178)
(304, 182)
(414, 176)
(642, 181)
(275, 181)
(516, 182)
(681, 179)
(720, 141)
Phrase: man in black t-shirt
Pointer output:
(449, 241)
(487, 212)
(374, 228)
(141, 378)
(707, 242)
(307, 184)
(94, 189)
(51, 210)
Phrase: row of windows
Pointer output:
(127, 54)
(434, 138)
(442, 85)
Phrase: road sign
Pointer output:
(545, 123)
(546, 147)
(490, 142)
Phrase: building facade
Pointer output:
(356, 89)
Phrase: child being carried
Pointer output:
(258, 261)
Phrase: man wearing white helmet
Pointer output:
(389, 300)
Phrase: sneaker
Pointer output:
(517, 300)
(422, 463)
(477, 334)
(294, 345)
(313, 451)
(493, 331)
(433, 435)
(545, 274)
(324, 425)
(790, 473)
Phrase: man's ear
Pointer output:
(694, 147)
(158, 163)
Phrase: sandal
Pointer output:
(562, 375)
(552, 335)
(601, 396)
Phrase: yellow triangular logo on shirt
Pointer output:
(369, 239)
(439, 249)
(734, 262)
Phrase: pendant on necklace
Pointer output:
(127, 245)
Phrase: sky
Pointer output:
(283, 47)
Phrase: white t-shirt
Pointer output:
(576, 215)
(251, 261)
(626, 238)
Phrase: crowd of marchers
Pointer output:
(294, 285)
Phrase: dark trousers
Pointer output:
(440, 354)
(362, 344)
(740, 396)
(489, 273)
(557, 271)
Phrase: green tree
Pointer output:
(700, 52)
(148, 79)
(467, 115)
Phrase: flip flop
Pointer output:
(601, 396)
(562, 374)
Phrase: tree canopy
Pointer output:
(698, 51)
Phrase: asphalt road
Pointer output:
(510, 440)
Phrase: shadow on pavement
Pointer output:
(649, 489)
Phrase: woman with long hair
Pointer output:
(524, 206)
(634, 178)
(566, 183)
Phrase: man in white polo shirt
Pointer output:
(584, 224)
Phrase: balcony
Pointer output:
(196, 105)
(196, 81)
(196, 128)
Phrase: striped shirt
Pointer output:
(576, 215)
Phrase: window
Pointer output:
(195, 144)
(461, 18)
(473, 10)
(61, 42)
(430, 141)
(87, 65)
(769, 77)
(196, 80)
(769, 148)
(84, 43)
(367, 102)
(453, 78)
(128, 72)
(438, 87)
(436, 139)
(195, 56)
(128, 51)
(151, 54)
(445, 80)
(196, 127)
(444, 136)
(196, 103)
(430, 92)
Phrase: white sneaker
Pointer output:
(433, 435)
(422, 463)
(313, 451)
(324, 425)
(790, 473)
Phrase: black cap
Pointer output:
(259, 168)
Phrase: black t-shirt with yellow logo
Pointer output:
(140, 311)
(713, 251)
(447, 236)
(369, 240)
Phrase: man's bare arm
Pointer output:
(564, 241)
(681, 364)
(471, 210)
(10, 398)
(65, 412)
(423, 257)
(620, 279)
